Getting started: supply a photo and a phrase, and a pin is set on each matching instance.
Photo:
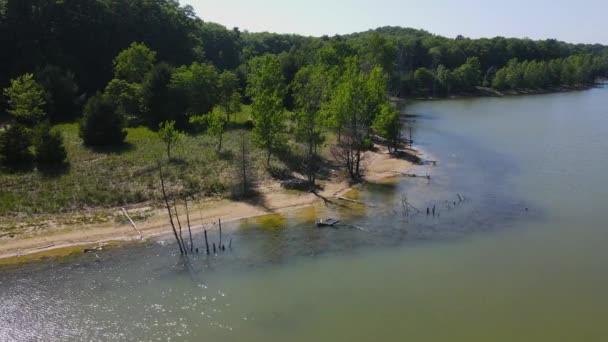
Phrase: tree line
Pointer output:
(72, 42)
(112, 64)
(343, 95)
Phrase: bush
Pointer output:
(367, 144)
(102, 124)
(49, 146)
(15, 144)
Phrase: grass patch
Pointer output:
(112, 177)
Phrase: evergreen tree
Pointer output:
(26, 100)
(15, 142)
(48, 144)
(102, 123)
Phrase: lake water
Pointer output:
(523, 258)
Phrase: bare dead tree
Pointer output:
(189, 228)
(162, 183)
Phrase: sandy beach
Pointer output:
(272, 199)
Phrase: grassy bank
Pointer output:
(101, 178)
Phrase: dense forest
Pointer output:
(114, 64)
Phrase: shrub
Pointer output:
(15, 143)
(102, 124)
(49, 146)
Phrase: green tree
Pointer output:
(468, 75)
(169, 135)
(348, 110)
(309, 90)
(500, 79)
(102, 123)
(62, 99)
(388, 126)
(266, 88)
(156, 96)
(228, 92)
(128, 98)
(15, 142)
(444, 78)
(424, 79)
(133, 63)
(48, 144)
(217, 125)
(194, 89)
(380, 50)
(26, 100)
(376, 86)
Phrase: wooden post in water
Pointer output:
(230, 243)
(206, 242)
(220, 245)
(162, 184)
(189, 229)
(180, 228)
(214, 250)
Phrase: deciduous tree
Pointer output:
(169, 135)
(133, 63)
(266, 88)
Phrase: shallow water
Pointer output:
(485, 269)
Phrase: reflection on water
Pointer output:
(482, 268)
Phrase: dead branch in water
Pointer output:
(412, 175)
(162, 183)
(180, 228)
(189, 228)
(141, 235)
(355, 201)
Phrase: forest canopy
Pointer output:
(122, 73)
(82, 39)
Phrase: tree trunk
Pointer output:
(169, 151)
(162, 183)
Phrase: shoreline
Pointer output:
(492, 92)
(67, 239)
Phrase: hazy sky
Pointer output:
(576, 21)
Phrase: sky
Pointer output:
(575, 21)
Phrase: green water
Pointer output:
(485, 269)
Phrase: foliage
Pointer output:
(424, 79)
(194, 89)
(444, 78)
(107, 180)
(266, 88)
(156, 96)
(574, 70)
(217, 125)
(15, 142)
(388, 126)
(468, 75)
(348, 112)
(26, 99)
(169, 135)
(228, 93)
(309, 89)
(102, 124)
(222, 46)
(128, 98)
(49, 146)
(62, 99)
(133, 63)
